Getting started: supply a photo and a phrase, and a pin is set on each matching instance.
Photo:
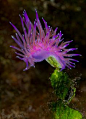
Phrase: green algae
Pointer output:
(65, 91)
(64, 112)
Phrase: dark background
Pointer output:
(30, 92)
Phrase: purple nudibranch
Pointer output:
(37, 44)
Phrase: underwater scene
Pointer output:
(42, 59)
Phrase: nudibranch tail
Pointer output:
(38, 44)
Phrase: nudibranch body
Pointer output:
(38, 44)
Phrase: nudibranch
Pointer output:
(38, 44)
